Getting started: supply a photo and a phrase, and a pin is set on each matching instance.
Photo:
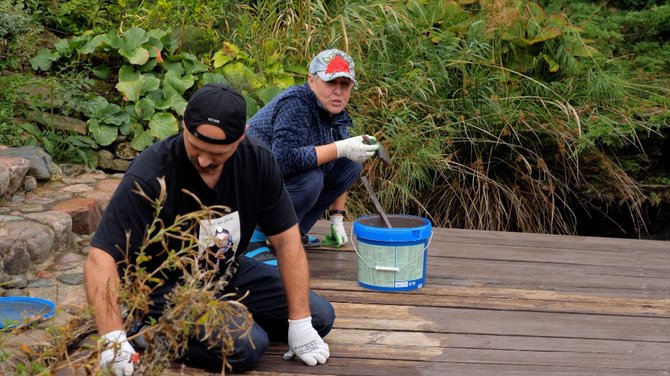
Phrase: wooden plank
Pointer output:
(497, 322)
(482, 237)
(497, 298)
(557, 255)
(343, 265)
(467, 367)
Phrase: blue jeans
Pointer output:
(312, 192)
(267, 304)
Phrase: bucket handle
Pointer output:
(386, 268)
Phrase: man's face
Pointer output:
(334, 94)
(221, 240)
(206, 157)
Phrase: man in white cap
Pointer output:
(307, 129)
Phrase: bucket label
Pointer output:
(391, 266)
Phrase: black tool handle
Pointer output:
(378, 206)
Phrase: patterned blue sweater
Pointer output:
(292, 124)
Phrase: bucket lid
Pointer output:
(406, 228)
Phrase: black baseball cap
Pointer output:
(219, 105)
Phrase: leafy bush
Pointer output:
(16, 31)
(499, 115)
(75, 16)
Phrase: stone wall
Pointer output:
(45, 211)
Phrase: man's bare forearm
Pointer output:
(102, 284)
(294, 272)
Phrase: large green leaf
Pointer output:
(63, 47)
(128, 73)
(115, 41)
(151, 83)
(178, 105)
(176, 84)
(240, 75)
(191, 63)
(220, 59)
(210, 78)
(135, 37)
(163, 124)
(174, 66)
(131, 90)
(149, 65)
(97, 41)
(141, 140)
(145, 108)
(101, 71)
(103, 134)
(545, 34)
(584, 51)
(44, 58)
(105, 112)
(137, 56)
(266, 94)
(131, 127)
(252, 106)
(165, 103)
(283, 80)
(78, 41)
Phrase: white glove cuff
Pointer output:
(115, 336)
(336, 218)
(298, 324)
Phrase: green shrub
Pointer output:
(75, 16)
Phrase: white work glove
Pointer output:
(305, 342)
(356, 148)
(337, 232)
(119, 354)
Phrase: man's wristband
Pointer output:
(337, 212)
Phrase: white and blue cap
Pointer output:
(331, 64)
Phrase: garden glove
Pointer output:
(119, 354)
(358, 148)
(305, 342)
(337, 236)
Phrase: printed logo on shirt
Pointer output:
(218, 241)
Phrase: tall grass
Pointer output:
(497, 114)
(475, 143)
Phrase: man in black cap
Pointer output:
(214, 160)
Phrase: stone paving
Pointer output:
(45, 230)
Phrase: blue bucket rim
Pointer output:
(396, 234)
(44, 302)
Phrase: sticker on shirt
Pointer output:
(220, 238)
(227, 228)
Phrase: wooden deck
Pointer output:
(498, 303)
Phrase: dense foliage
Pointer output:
(501, 115)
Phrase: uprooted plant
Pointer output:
(195, 307)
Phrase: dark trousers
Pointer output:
(314, 191)
(267, 304)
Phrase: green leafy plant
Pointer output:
(260, 80)
(152, 86)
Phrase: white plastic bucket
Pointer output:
(392, 259)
